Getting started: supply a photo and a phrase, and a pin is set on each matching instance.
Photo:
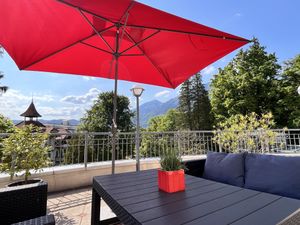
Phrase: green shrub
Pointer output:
(171, 161)
(23, 151)
(250, 132)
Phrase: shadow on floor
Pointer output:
(61, 219)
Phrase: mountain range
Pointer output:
(155, 108)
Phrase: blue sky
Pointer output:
(274, 22)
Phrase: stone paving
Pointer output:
(74, 207)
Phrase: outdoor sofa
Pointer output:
(272, 174)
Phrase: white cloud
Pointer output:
(88, 78)
(17, 95)
(238, 14)
(87, 98)
(70, 112)
(14, 102)
(209, 70)
(165, 93)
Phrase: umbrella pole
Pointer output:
(114, 127)
(114, 122)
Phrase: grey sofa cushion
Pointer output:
(225, 168)
(273, 174)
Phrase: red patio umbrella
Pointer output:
(115, 39)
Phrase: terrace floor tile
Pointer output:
(74, 207)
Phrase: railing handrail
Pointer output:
(85, 147)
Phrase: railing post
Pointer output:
(178, 142)
(85, 156)
(220, 145)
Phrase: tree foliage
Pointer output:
(249, 83)
(194, 105)
(171, 121)
(24, 150)
(201, 108)
(287, 112)
(250, 132)
(99, 117)
(6, 125)
(185, 104)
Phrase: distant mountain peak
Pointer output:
(155, 108)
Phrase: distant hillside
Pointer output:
(72, 122)
(155, 108)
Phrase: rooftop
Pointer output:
(31, 111)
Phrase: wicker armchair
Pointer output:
(23, 202)
(43, 220)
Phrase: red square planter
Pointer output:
(171, 181)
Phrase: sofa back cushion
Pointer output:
(225, 168)
(273, 174)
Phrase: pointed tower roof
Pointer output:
(31, 111)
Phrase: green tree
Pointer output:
(185, 104)
(99, 117)
(201, 110)
(194, 104)
(249, 83)
(154, 144)
(171, 121)
(6, 126)
(287, 112)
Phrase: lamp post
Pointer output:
(137, 92)
(298, 90)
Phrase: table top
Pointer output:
(135, 199)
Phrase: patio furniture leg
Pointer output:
(95, 220)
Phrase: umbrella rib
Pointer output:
(187, 32)
(92, 26)
(133, 55)
(139, 42)
(127, 11)
(76, 7)
(92, 46)
(155, 28)
(150, 60)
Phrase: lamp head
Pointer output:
(137, 90)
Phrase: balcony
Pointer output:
(77, 157)
(89, 154)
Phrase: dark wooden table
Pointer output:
(135, 199)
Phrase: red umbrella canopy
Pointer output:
(79, 37)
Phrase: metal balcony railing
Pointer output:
(84, 148)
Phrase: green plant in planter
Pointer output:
(171, 161)
(23, 151)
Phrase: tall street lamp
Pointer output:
(137, 92)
